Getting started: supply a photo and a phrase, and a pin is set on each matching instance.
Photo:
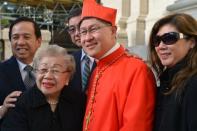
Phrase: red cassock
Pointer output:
(121, 95)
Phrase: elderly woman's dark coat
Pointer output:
(33, 113)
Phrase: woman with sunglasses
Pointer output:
(173, 56)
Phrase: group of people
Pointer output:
(100, 87)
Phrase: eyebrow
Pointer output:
(29, 34)
(58, 65)
(72, 26)
(45, 64)
(90, 26)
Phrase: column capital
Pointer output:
(182, 5)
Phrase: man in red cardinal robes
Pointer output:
(121, 91)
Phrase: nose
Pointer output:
(21, 41)
(88, 36)
(162, 45)
(76, 32)
(48, 74)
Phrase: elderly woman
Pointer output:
(173, 53)
(50, 105)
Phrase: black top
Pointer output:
(33, 113)
(176, 113)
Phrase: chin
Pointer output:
(45, 91)
(168, 64)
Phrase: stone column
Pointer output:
(122, 22)
(136, 22)
(136, 27)
(140, 34)
(7, 47)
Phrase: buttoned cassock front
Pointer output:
(121, 95)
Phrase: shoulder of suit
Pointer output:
(9, 63)
(78, 52)
(10, 60)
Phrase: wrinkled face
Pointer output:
(24, 42)
(176, 51)
(96, 37)
(73, 30)
(52, 76)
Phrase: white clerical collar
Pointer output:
(115, 47)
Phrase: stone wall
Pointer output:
(135, 19)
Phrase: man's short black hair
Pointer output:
(25, 19)
(73, 13)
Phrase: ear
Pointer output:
(67, 81)
(192, 43)
(114, 29)
(39, 41)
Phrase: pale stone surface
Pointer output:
(136, 18)
(184, 6)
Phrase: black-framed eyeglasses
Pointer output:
(168, 38)
(91, 30)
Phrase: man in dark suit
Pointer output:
(25, 38)
(77, 81)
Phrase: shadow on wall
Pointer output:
(140, 50)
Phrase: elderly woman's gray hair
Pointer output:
(55, 50)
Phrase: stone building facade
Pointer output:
(135, 19)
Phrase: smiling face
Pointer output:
(170, 55)
(52, 75)
(73, 30)
(99, 37)
(24, 42)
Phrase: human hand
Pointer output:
(9, 102)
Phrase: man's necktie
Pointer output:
(85, 73)
(29, 80)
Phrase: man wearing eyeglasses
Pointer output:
(84, 63)
(121, 92)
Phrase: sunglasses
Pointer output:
(168, 38)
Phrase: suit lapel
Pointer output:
(14, 73)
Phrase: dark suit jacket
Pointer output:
(33, 113)
(76, 82)
(10, 78)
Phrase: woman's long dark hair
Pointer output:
(187, 25)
